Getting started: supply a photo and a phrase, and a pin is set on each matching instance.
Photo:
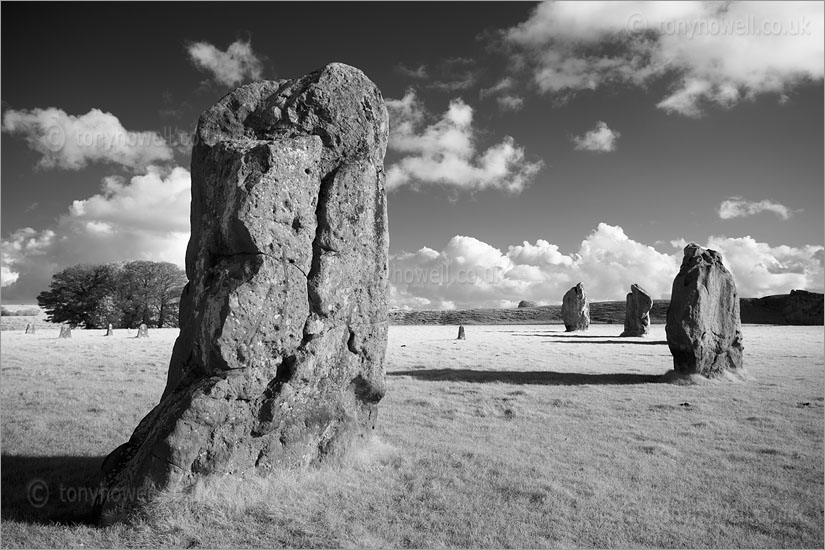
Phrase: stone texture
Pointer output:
(143, 331)
(575, 310)
(637, 312)
(527, 303)
(65, 331)
(461, 335)
(703, 325)
(280, 359)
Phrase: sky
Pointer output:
(532, 146)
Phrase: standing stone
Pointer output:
(575, 310)
(111, 332)
(143, 331)
(280, 359)
(637, 312)
(65, 331)
(703, 326)
(461, 333)
(527, 303)
(29, 328)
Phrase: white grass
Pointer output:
(518, 436)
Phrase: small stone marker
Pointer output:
(143, 331)
(29, 328)
(461, 333)
(65, 331)
(111, 332)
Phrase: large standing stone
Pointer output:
(637, 312)
(280, 359)
(575, 310)
(65, 331)
(703, 327)
(461, 335)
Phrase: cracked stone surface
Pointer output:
(280, 359)
(704, 331)
(575, 309)
(637, 312)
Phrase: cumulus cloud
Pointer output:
(72, 142)
(718, 53)
(737, 207)
(600, 139)
(229, 68)
(470, 273)
(446, 152)
(146, 218)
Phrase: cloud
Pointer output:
(456, 74)
(446, 153)
(600, 139)
(146, 218)
(714, 53)
(418, 73)
(510, 102)
(229, 68)
(506, 98)
(72, 142)
(470, 273)
(736, 207)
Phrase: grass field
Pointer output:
(519, 436)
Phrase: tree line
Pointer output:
(121, 294)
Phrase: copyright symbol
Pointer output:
(38, 493)
(54, 138)
(636, 22)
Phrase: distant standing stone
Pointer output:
(527, 303)
(110, 332)
(29, 328)
(143, 331)
(575, 310)
(461, 333)
(703, 326)
(637, 312)
(65, 331)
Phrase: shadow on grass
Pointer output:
(565, 334)
(49, 489)
(547, 378)
(634, 342)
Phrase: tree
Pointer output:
(124, 295)
(76, 294)
(150, 292)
